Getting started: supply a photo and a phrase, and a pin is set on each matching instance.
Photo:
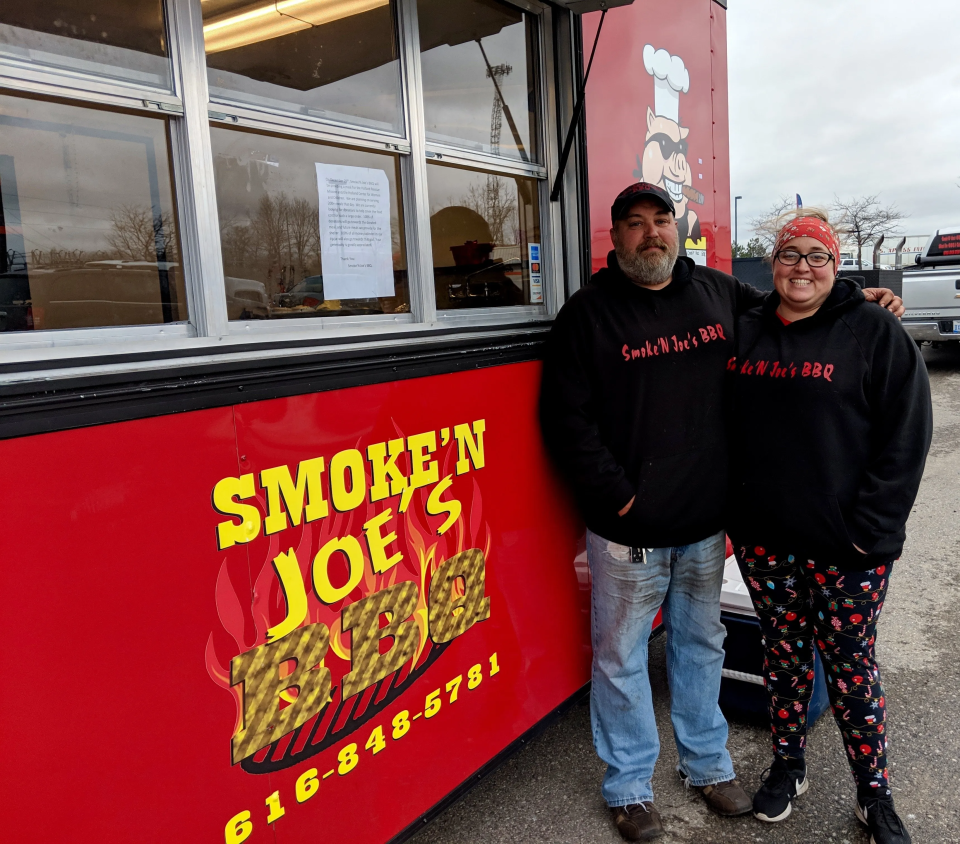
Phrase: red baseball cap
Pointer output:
(637, 191)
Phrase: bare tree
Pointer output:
(141, 235)
(280, 244)
(768, 224)
(304, 233)
(862, 220)
(494, 203)
(239, 248)
(268, 229)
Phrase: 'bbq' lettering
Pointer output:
(263, 721)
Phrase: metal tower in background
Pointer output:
(496, 73)
(493, 198)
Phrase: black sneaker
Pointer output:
(879, 816)
(782, 782)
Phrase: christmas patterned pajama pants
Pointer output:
(801, 602)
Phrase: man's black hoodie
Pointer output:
(632, 402)
(831, 423)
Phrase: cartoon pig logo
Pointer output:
(664, 160)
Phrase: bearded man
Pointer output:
(632, 413)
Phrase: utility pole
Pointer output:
(736, 220)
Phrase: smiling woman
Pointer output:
(805, 262)
(819, 507)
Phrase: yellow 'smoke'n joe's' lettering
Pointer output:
(453, 601)
(343, 485)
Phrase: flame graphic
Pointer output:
(423, 553)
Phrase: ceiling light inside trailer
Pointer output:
(261, 22)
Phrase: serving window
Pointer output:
(308, 229)
(205, 168)
(90, 235)
(330, 60)
(485, 234)
(480, 64)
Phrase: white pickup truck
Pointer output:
(931, 290)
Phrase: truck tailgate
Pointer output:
(932, 293)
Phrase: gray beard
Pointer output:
(647, 269)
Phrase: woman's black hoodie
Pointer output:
(632, 402)
(831, 424)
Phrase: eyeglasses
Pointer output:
(790, 258)
(668, 146)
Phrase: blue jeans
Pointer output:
(686, 582)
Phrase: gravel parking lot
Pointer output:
(550, 792)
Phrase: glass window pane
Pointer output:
(289, 251)
(479, 62)
(122, 39)
(333, 59)
(88, 225)
(485, 230)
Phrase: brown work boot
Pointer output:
(725, 798)
(638, 821)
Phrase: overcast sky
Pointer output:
(846, 97)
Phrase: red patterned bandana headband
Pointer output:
(810, 227)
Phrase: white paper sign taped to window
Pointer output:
(356, 255)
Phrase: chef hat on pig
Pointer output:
(670, 79)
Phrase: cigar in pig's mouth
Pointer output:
(693, 194)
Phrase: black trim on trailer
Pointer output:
(721, 3)
(476, 778)
(571, 132)
(35, 407)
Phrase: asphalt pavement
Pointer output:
(550, 791)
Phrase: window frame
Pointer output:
(191, 112)
(318, 128)
(548, 153)
(18, 75)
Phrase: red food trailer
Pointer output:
(285, 558)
